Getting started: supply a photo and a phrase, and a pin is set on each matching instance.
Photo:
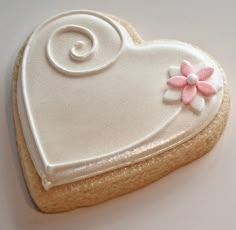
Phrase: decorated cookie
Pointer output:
(99, 112)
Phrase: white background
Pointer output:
(201, 195)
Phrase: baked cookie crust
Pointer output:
(115, 183)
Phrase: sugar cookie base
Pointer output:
(106, 186)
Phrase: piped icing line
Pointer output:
(76, 48)
(76, 53)
(190, 87)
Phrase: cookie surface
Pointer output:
(145, 138)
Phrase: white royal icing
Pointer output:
(173, 71)
(172, 95)
(90, 100)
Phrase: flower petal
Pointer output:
(172, 95)
(186, 68)
(204, 73)
(174, 71)
(198, 104)
(205, 88)
(177, 82)
(216, 85)
(188, 94)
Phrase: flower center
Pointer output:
(192, 79)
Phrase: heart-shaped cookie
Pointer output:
(93, 102)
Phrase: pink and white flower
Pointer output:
(189, 86)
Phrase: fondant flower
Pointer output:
(190, 87)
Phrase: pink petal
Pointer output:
(186, 68)
(177, 82)
(188, 94)
(204, 73)
(205, 88)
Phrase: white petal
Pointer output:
(198, 103)
(217, 86)
(214, 81)
(172, 95)
(174, 71)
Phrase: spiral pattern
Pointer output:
(76, 50)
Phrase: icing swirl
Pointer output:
(76, 50)
(77, 46)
